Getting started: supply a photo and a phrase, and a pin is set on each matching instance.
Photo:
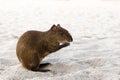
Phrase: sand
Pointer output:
(94, 24)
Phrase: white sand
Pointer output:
(94, 25)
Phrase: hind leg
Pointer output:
(42, 65)
(41, 68)
(35, 66)
(30, 61)
(34, 62)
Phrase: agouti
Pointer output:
(33, 46)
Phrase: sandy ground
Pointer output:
(94, 25)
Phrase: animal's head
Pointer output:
(61, 34)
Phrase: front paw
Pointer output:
(65, 44)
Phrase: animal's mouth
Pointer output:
(64, 42)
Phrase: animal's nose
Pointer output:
(71, 39)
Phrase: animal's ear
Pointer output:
(58, 25)
(54, 28)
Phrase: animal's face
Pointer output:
(61, 34)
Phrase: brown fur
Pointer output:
(33, 46)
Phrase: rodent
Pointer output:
(34, 45)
